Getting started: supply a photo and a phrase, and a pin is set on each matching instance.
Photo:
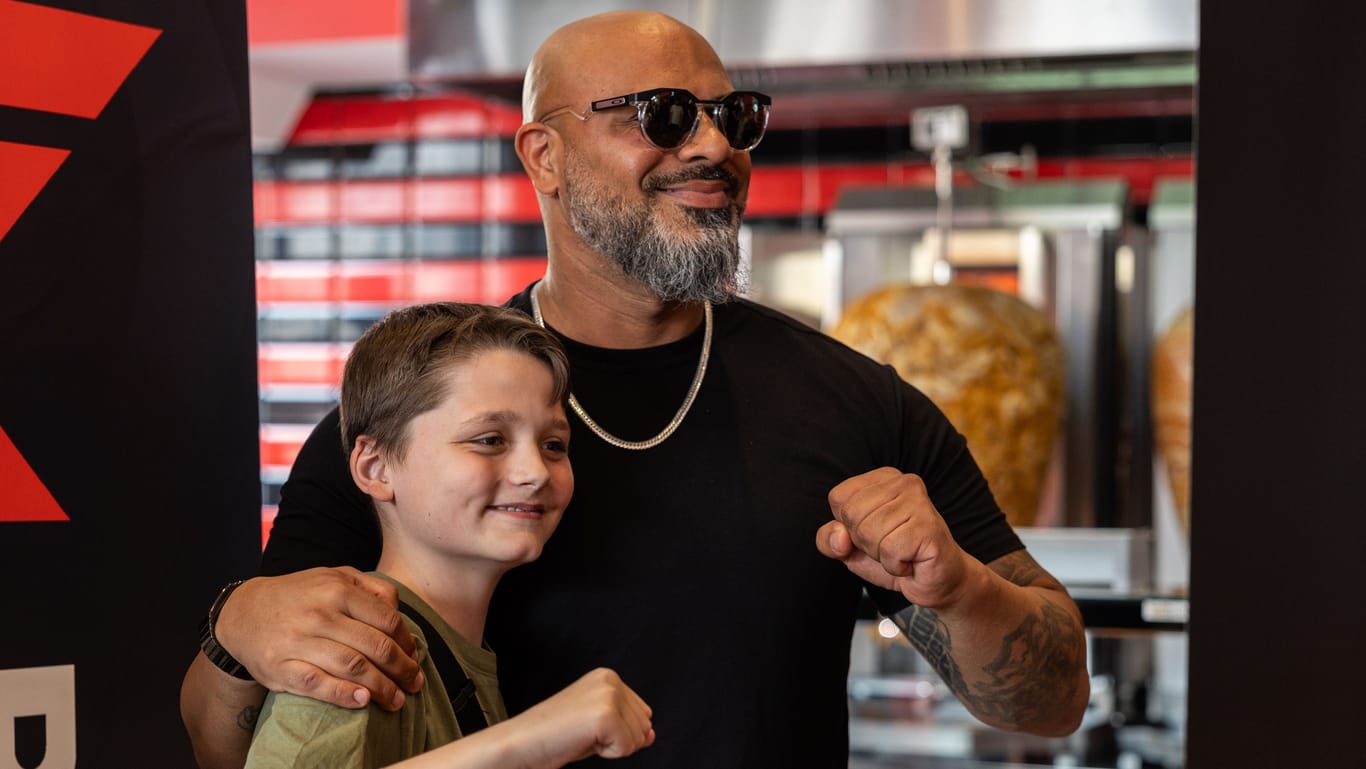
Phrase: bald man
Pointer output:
(741, 479)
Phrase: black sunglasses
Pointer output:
(669, 117)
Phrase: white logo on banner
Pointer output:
(48, 692)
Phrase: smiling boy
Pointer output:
(453, 420)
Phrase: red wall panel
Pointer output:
(318, 364)
(295, 281)
(373, 201)
(272, 22)
(457, 200)
(366, 119)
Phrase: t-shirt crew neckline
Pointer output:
(684, 350)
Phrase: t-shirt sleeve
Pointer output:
(933, 449)
(324, 519)
(296, 731)
(300, 732)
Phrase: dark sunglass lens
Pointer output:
(669, 118)
(745, 120)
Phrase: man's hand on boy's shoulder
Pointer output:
(334, 634)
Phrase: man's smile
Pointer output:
(700, 193)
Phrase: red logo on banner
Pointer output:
(56, 61)
(27, 169)
(25, 498)
(70, 64)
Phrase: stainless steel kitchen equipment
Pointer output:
(1066, 248)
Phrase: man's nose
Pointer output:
(708, 141)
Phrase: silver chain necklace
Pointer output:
(682, 410)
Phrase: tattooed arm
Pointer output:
(220, 723)
(1020, 665)
(1005, 637)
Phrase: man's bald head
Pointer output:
(588, 58)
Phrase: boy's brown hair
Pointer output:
(395, 371)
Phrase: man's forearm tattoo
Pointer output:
(246, 719)
(930, 636)
(1034, 668)
(1021, 682)
(1018, 568)
(1033, 661)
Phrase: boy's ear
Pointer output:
(370, 469)
(540, 149)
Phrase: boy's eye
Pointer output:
(488, 440)
(556, 445)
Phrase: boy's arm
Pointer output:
(328, 634)
(598, 715)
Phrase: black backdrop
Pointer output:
(128, 384)
(1278, 573)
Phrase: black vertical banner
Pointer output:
(1279, 438)
(128, 438)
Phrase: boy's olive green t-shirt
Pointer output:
(297, 731)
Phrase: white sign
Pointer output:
(49, 692)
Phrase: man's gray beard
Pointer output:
(703, 266)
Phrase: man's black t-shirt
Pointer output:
(691, 568)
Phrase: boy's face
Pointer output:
(486, 475)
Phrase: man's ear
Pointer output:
(370, 469)
(541, 150)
